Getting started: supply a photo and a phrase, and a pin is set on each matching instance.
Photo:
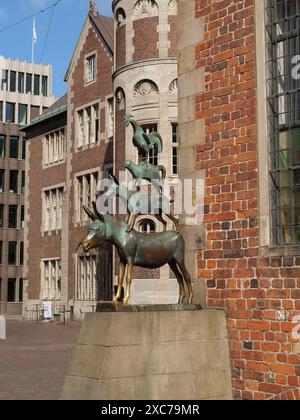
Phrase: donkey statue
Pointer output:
(137, 203)
(138, 249)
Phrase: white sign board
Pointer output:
(2, 328)
(47, 307)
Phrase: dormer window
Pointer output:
(90, 68)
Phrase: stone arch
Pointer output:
(120, 16)
(145, 87)
(172, 7)
(147, 226)
(120, 99)
(145, 8)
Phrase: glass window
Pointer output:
(10, 112)
(22, 114)
(21, 290)
(12, 252)
(147, 226)
(283, 101)
(36, 90)
(13, 217)
(1, 215)
(1, 180)
(1, 249)
(1, 111)
(22, 217)
(21, 82)
(44, 85)
(23, 149)
(11, 290)
(21, 253)
(2, 146)
(14, 147)
(91, 68)
(23, 183)
(28, 83)
(13, 181)
(13, 81)
(175, 161)
(4, 80)
(153, 154)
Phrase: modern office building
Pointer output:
(25, 92)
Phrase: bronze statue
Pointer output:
(147, 171)
(146, 250)
(144, 142)
(138, 249)
(135, 202)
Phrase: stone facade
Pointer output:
(25, 92)
(255, 283)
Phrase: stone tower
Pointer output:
(145, 84)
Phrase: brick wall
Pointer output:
(121, 46)
(94, 157)
(40, 246)
(173, 36)
(145, 47)
(261, 295)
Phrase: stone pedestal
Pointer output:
(171, 352)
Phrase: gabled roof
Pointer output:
(104, 26)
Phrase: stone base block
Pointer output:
(149, 355)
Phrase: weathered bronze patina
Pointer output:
(137, 203)
(139, 249)
(142, 141)
(150, 251)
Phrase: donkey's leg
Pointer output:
(127, 217)
(128, 281)
(187, 279)
(131, 222)
(120, 282)
(179, 277)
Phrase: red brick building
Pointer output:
(244, 113)
(70, 149)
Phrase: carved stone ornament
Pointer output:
(145, 88)
(172, 7)
(173, 86)
(145, 8)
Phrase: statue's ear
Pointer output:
(99, 216)
(89, 213)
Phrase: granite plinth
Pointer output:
(151, 355)
(119, 307)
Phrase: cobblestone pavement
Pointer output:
(34, 360)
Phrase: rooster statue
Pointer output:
(143, 141)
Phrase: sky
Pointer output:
(65, 29)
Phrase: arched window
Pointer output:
(147, 226)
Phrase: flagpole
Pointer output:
(33, 41)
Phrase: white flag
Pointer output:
(34, 36)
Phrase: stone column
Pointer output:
(191, 131)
